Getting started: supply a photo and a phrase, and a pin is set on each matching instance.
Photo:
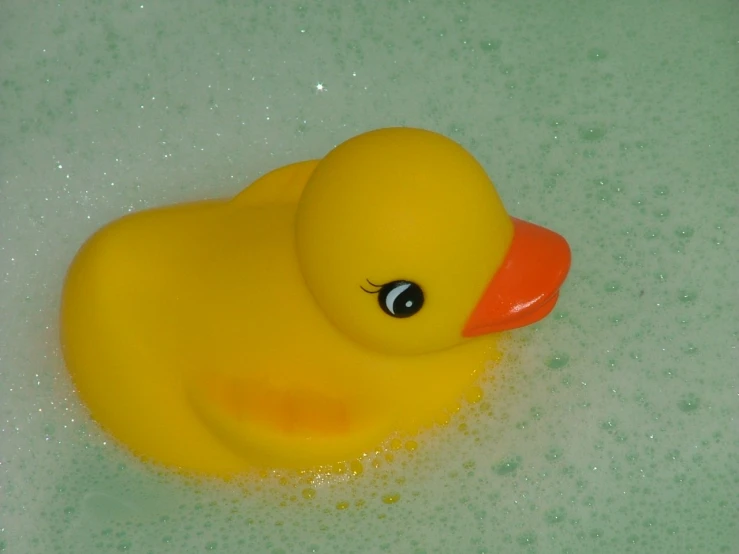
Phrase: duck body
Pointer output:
(195, 335)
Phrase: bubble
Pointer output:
(490, 45)
(661, 191)
(507, 466)
(672, 455)
(662, 213)
(556, 123)
(554, 454)
(597, 54)
(689, 403)
(555, 515)
(638, 202)
(455, 130)
(689, 348)
(391, 498)
(526, 539)
(557, 361)
(608, 425)
(684, 232)
(687, 296)
(612, 286)
(356, 467)
(211, 546)
(592, 134)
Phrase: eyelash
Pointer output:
(378, 287)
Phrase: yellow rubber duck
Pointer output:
(327, 306)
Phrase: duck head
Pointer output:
(406, 246)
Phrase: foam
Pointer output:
(609, 427)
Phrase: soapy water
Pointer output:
(608, 427)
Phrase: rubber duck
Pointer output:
(329, 305)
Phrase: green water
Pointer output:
(609, 427)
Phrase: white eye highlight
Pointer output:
(392, 297)
(399, 298)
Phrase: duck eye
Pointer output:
(400, 298)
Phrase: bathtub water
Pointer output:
(609, 427)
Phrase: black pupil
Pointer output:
(401, 298)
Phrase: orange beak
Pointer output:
(526, 287)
